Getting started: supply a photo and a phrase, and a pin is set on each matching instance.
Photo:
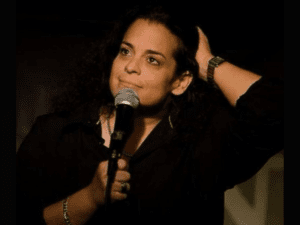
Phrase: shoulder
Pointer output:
(64, 115)
(50, 117)
(42, 135)
(52, 122)
(56, 122)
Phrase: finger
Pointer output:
(117, 186)
(127, 186)
(122, 176)
(201, 33)
(115, 195)
(199, 30)
(103, 167)
(122, 164)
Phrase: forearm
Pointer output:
(80, 208)
(233, 81)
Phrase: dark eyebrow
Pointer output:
(148, 50)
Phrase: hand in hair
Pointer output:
(203, 54)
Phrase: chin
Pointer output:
(116, 90)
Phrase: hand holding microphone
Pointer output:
(99, 183)
(125, 101)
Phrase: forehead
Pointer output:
(148, 35)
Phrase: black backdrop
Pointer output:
(51, 35)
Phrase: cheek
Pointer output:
(154, 92)
(113, 81)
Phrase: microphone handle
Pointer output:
(123, 127)
(111, 173)
(115, 155)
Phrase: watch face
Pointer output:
(214, 62)
(218, 60)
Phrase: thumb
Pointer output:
(122, 164)
(200, 31)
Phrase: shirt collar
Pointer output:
(87, 115)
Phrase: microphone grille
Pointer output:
(127, 96)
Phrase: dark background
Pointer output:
(52, 35)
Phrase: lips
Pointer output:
(128, 84)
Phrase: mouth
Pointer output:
(128, 85)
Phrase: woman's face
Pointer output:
(145, 62)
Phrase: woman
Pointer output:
(192, 139)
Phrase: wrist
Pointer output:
(92, 196)
(203, 67)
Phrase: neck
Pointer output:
(144, 117)
(150, 116)
(148, 120)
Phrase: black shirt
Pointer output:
(62, 151)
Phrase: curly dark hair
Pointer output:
(90, 79)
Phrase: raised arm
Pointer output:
(232, 80)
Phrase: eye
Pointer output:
(153, 61)
(124, 51)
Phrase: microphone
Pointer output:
(125, 101)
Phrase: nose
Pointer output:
(133, 67)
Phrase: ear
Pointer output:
(182, 83)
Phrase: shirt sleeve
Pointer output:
(43, 176)
(29, 180)
(46, 171)
(255, 132)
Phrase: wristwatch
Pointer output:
(212, 64)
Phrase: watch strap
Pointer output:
(212, 64)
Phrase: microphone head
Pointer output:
(127, 96)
